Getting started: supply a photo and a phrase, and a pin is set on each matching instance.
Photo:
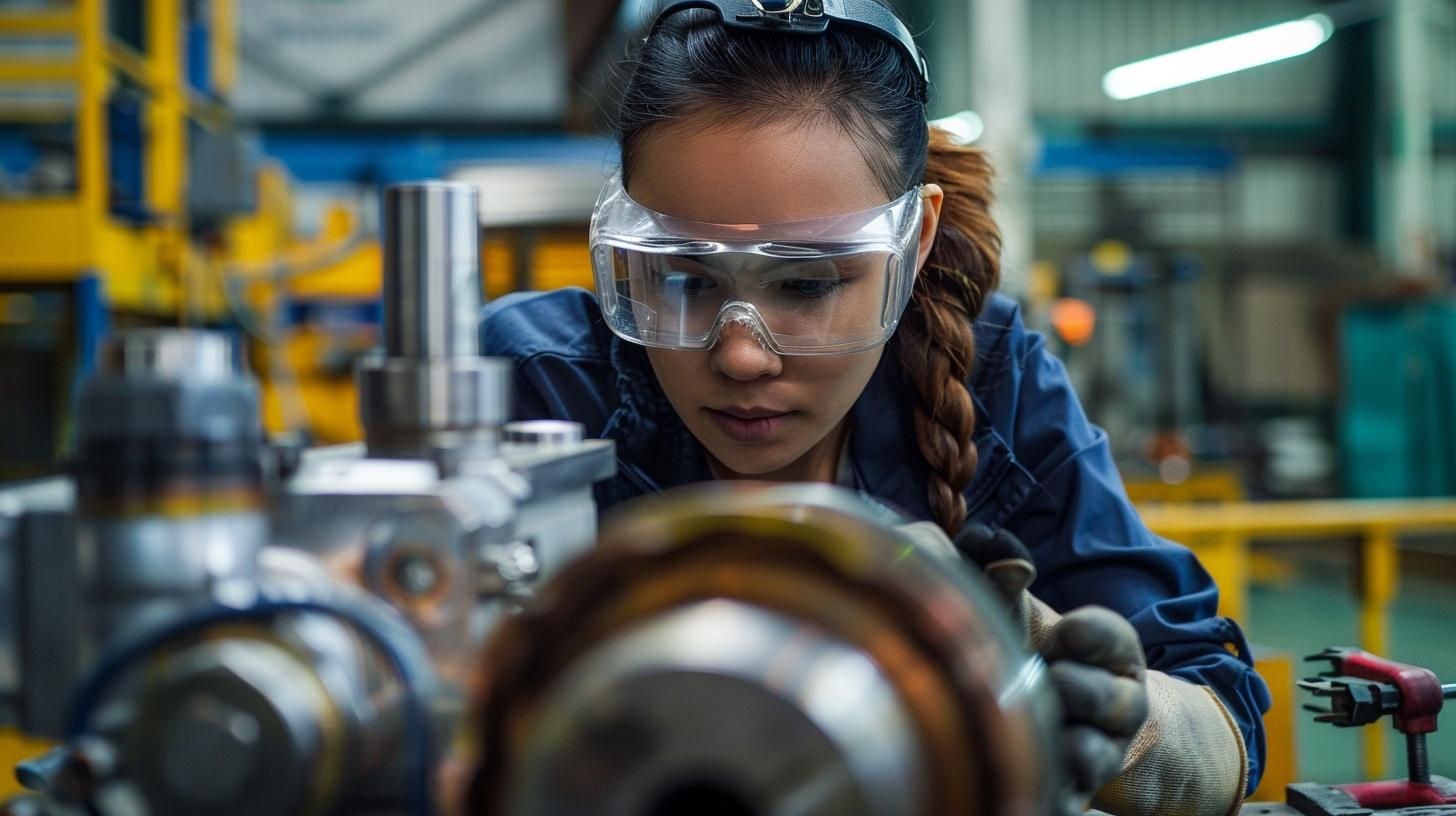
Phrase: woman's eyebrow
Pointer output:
(761, 266)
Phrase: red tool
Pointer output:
(1362, 688)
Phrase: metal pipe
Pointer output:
(431, 271)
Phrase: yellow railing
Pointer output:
(1221, 534)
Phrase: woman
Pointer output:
(795, 279)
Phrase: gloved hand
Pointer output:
(1138, 742)
(1095, 662)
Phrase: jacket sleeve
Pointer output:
(1091, 547)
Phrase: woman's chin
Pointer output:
(756, 462)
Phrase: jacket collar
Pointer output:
(655, 448)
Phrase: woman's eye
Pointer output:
(688, 283)
(810, 288)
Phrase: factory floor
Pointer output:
(1311, 605)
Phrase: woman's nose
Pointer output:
(739, 355)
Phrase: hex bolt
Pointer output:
(209, 750)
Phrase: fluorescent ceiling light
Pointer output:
(964, 127)
(1225, 56)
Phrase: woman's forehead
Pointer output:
(726, 174)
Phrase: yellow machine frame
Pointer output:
(61, 239)
(1222, 535)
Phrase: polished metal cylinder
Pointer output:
(545, 433)
(430, 390)
(431, 270)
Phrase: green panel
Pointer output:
(1396, 426)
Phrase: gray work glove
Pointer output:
(1095, 662)
(1096, 665)
(1138, 742)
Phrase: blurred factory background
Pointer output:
(1250, 276)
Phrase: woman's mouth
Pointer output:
(749, 425)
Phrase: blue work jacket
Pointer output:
(1045, 473)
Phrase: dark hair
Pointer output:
(692, 68)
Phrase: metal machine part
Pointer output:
(41, 623)
(293, 646)
(431, 388)
(755, 650)
(169, 484)
(450, 545)
(1360, 688)
(544, 432)
(147, 625)
(272, 715)
(437, 515)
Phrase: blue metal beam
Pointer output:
(385, 157)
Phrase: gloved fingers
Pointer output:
(1093, 758)
(1094, 697)
(1003, 559)
(982, 545)
(973, 540)
(1099, 637)
(1010, 577)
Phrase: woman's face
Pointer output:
(760, 414)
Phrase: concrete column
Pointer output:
(1001, 94)
(1406, 231)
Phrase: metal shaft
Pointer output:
(430, 390)
(1418, 758)
(431, 271)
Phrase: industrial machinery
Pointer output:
(209, 627)
(118, 162)
(209, 624)
(1359, 689)
(746, 650)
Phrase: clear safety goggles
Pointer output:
(820, 286)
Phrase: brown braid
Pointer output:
(934, 341)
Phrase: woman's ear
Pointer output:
(932, 197)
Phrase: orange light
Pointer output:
(1074, 321)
